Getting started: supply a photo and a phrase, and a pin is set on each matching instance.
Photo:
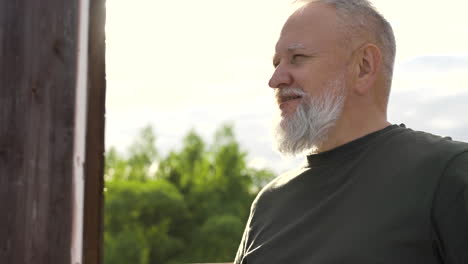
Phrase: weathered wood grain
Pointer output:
(38, 54)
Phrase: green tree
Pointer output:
(142, 154)
(193, 209)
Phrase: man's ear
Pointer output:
(367, 66)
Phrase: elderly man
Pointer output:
(370, 192)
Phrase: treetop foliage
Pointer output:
(187, 207)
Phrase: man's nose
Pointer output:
(280, 78)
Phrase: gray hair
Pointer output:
(359, 17)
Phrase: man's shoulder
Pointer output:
(426, 143)
(284, 178)
(279, 182)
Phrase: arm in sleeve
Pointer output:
(450, 211)
(244, 244)
(241, 250)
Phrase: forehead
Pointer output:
(312, 27)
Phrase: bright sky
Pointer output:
(196, 64)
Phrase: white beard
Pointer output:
(309, 126)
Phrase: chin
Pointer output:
(286, 115)
(285, 118)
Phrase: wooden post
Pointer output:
(43, 215)
(93, 207)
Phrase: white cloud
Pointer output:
(443, 123)
(443, 115)
(433, 63)
(258, 163)
(432, 77)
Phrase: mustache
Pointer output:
(284, 94)
(289, 91)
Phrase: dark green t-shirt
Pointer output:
(393, 196)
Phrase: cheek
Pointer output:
(313, 86)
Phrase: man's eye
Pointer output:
(297, 57)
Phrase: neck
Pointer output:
(348, 130)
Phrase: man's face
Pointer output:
(308, 55)
(309, 79)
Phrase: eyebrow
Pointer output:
(291, 48)
(295, 46)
